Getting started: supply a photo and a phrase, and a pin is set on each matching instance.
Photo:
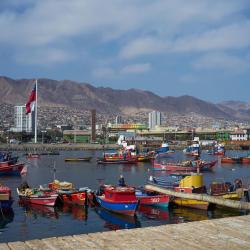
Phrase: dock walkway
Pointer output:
(226, 233)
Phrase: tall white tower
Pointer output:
(154, 119)
(23, 122)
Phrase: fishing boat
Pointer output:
(148, 197)
(37, 196)
(6, 199)
(246, 159)
(185, 166)
(128, 161)
(120, 200)
(163, 150)
(194, 149)
(11, 169)
(191, 184)
(143, 158)
(231, 160)
(169, 166)
(68, 194)
(76, 159)
(7, 158)
(218, 149)
(226, 190)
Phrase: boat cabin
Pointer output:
(191, 184)
(120, 194)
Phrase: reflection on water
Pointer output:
(6, 216)
(154, 213)
(34, 210)
(115, 221)
(77, 212)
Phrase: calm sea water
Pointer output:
(25, 223)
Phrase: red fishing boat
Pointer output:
(231, 160)
(11, 169)
(188, 166)
(149, 197)
(245, 160)
(68, 194)
(117, 199)
(168, 166)
(5, 198)
(36, 196)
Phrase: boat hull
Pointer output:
(191, 203)
(78, 159)
(77, 198)
(45, 199)
(173, 167)
(14, 169)
(127, 208)
(245, 160)
(117, 161)
(230, 160)
(153, 200)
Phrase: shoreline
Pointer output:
(86, 146)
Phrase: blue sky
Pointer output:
(170, 47)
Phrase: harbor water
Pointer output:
(35, 222)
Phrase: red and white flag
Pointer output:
(31, 101)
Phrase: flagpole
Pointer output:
(36, 115)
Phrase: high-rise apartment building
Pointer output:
(154, 119)
(93, 125)
(23, 122)
(118, 119)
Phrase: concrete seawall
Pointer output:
(84, 146)
(226, 233)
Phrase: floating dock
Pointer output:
(226, 233)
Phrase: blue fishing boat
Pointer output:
(163, 150)
(120, 200)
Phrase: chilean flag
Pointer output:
(32, 98)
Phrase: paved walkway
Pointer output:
(226, 233)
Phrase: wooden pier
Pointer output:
(226, 233)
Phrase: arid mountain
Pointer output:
(105, 100)
(240, 110)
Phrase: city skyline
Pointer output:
(171, 48)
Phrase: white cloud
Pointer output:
(136, 28)
(136, 68)
(104, 73)
(233, 36)
(143, 46)
(44, 56)
(222, 61)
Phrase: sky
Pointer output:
(170, 47)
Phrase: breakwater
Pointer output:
(86, 146)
